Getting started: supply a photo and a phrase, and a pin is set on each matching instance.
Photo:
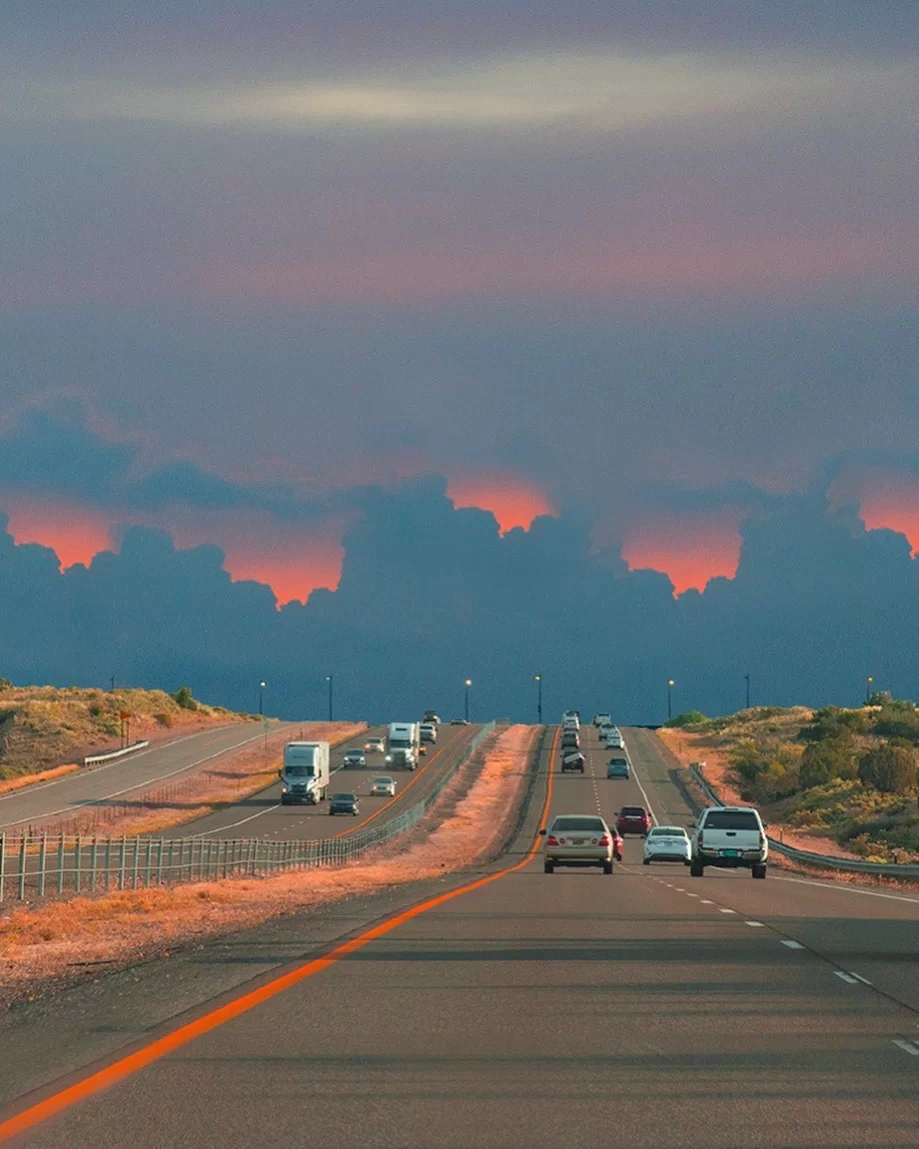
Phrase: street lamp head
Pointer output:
(537, 678)
(469, 682)
(671, 682)
(263, 684)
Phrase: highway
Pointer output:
(506, 1008)
(108, 781)
(262, 814)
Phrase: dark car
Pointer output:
(573, 760)
(344, 804)
(633, 820)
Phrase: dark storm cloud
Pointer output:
(431, 595)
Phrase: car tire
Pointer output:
(759, 870)
(607, 867)
(548, 867)
(696, 869)
(646, 861)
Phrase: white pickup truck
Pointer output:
(731, 838)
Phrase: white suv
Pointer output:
(729, 837)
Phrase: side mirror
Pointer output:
(542, 833)
(280, 773)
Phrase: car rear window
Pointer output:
(574, 823)
(668, 832)
(633, 811)
(731, 820)
(618, 762)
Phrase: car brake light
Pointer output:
(604, 841)
(552, 840)
(700, 837)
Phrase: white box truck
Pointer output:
(305, 773)
(402, 744)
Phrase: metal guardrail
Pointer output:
(39, 866)
(827, 861)
(92, 759)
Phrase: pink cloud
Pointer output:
(690, 548)
(514, 502)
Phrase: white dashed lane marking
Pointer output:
(792, 945)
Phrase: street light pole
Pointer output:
(328, 679)
(468, 684)
(868, 682)
(669, 698)
(538, 678)
(747, 678)
(261, 699)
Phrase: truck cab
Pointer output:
(305, 773)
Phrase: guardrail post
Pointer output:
(159, 862)
(122, 861)
(42, 846)
(60, 864)
(77, 861)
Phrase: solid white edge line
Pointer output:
(844, 889)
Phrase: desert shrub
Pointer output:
(688, 718)
(5, 684)
(828, 759)
(183, 697)
(832, 721)
(890, 768)
(897, 722)
(163, 719)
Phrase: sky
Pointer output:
(646, 272)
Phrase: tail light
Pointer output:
(552, 840)
(700, 837)
(762, 839)
(604, 841)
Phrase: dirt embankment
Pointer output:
(51, 944)
(45, 727)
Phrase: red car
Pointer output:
(633, 820)
(618, 843)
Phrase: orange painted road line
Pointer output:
(417, 774)
(170, 1042)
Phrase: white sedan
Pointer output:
(667, 844)
(383, 787)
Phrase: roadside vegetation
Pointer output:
(849, 775)
(44, 727)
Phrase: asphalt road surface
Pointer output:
(263, 816)
(112, 780)
(518, 1009)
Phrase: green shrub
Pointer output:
(688, 718)
(829, 759)
(183, 697)
(890, 768)
(897, 722)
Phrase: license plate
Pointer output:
(578, 841)
(731, 853)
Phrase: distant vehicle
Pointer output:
(402, 759)
(428, 732)
(570, 740)
(633, 820)
(614, 741)
(459, 722)
(578, 840)
(602, 720)
(305, 773)
(666, 844)
(729, 837)
(571, 718)
(355, 757)
(375, 746)
(431, 716)
(606, 730)
(618, 767)
(383, 787)
(344, 804)
(403, 736)
(573, 760)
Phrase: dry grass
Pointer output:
(42, 727)
(198, 792)
(41, 776)
(47, 944)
